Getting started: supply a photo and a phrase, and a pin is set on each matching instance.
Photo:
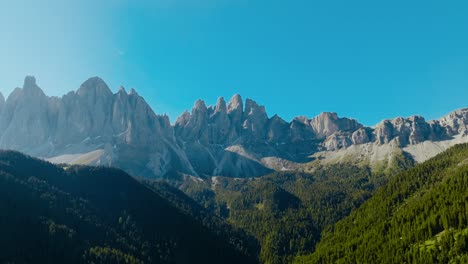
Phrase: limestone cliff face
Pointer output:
(411, 130)
(123, 126)
(361, 136)
(255, 121)
(326, 124)
(237, 138)
(220, 130)
(25, 120)
(85, 113)
(455, 123)
(277, 130)
(249, 133)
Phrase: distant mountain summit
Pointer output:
(236, 138)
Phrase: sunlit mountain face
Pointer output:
(93, 126)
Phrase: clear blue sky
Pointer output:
(368, 60)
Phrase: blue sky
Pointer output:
(368, 60)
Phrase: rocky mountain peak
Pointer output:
(29, 82)
(226, 139)
(183, 119)
(328, 123)
(30, 87)
(414, 119)
(301, 119)
(255, 119)
(408, 130)
(456, 122)
(460, 113)
(133, 92)
(94, 87)
(328, 115)
(277, 129)
(122, 91)
(199, 106)
(235, 104)
(192, 126)
(24, 120)
(252, 108)
(417, 119)
(220, 105)
(276, 118)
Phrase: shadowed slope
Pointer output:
(79, 214)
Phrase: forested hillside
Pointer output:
(339, 213)
(420, 216)
(78, 214)
(286, 211)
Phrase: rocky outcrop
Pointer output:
(337, 141)
(455, 123)
(235, 110)
(326, 124)
(195, 129)
(96, 126)
(361, 136)
(411, 130)
(220, 128)
(255, 120)
(25, 123)
(277, 130)
(85, 113)
(123, 126)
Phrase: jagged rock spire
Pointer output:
(221, 105)
(235, 104)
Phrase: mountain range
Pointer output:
(95, 126)
(332, 190)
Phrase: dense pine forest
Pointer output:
(82, 214)
(287, 211)
(339, 213)
(420, 216)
